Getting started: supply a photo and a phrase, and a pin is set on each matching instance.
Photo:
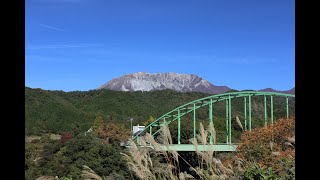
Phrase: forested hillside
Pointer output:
(58, 111)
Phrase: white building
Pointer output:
(137, 128)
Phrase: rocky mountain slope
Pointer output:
(159, 81)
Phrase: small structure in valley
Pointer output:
(137, 129)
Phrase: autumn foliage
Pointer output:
(111, 133)
(269, 146)
(66, 136)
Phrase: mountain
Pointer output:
(291, 91)
(159, 81)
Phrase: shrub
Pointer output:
(65, 136)
(270, 147)
(255, 171)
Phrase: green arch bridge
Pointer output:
(191, 107)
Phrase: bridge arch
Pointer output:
(177, 113)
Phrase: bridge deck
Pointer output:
(191, 147)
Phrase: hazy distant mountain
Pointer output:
(291, 91)
(158, 81)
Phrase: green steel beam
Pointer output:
(216, 98)
(210, 119)
(194, 121)
(197, 107)
(182, 114)
(150, 131)
(230, 116)
(200, 147)
(179, 126)
(245, 113)
(249, 112)
(186, 113)
(168, 122)
(156, 132)
(271, 106)
(287, 105)
(265, 110)
(227, 117)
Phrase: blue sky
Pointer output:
(81, 44)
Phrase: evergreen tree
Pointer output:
(149, 120)
(98, 122)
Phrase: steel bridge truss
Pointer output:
(191, 107)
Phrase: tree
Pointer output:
(76, 128)
(111, 133)
(149, 120)
(65, 136)
(97, 122)
(112, 115)
(67, 159)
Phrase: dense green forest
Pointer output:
(58, 111)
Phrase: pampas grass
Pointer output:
(291, 139)
(239, 122)
(89, 174)
(271, 145)
(210, 167)
(47, 178)
(144, 160)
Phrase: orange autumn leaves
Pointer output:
(269, 145)
(110, 132)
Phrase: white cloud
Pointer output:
(60, 1)
(62, 46)
(51, 27)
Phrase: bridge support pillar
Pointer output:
(245, 113)
(210, 118)
(287, 106)
(194, 121)
(271, 106)
(250, 112)
(227, 118)
(179, 126)
(230, 116)
(265, 110)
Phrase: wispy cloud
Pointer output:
(249, 60)
(62, 46)
(51, 27)
(44, 59)
(59, 1)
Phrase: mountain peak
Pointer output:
(142, 81)
(291, 91)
